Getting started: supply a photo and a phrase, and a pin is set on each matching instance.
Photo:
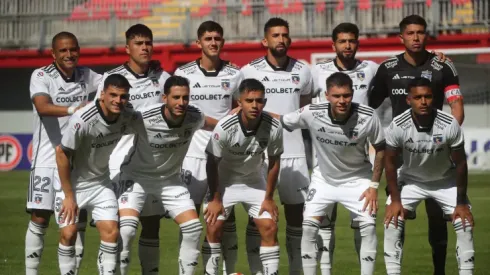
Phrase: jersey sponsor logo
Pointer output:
(225, 84)
(155, 120)
(282, 90)
(247, 153)
(144, 95)
(398, 92)
(427, 151)
(361, 75)
(435, 65)
(10, 153)
(260, 65)
(71, 99)
(335, 142)
(169, 145)
(295, 78)
(427, 74)
(318, 114)
(182, 194)
(359, 87)
(106, 143)
(391, 64)
(210, 97)
(439, 124)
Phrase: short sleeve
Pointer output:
(376, 132)
(217, 142)
(276, 144)
(73, 135)
(239, 80)
(378, 90)
(455, 138)
(100, 86)
(136, 124)
(94, 79)
(450, 81)
(296, 120)
(308, 86)
(179, 72)
(392, 136)
(316, 88)
(39, 84)
(202, 120)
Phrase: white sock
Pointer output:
(34, 245)
(252, 241)
(465, 250)
(269, 255)
(293, 244)
(229, 245)
(149, 254)
(211, 253)
(189, 248)
(127, 230)
(326, 246)
(369, 242)
(81, 227)
(66, 259)
(357, 241)
(393, 247)
(106, 261)
(309, 245)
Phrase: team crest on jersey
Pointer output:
(216, 136)
(38, 199)
(124, 199)
(295, 78)
(361, 75)
(437, 139)
(82, 84)
(225, 84)
(353, 133)
(154, 81)
(427, 74)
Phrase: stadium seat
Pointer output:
(394, 4)
(280, 7)
(320, 7)
(364, 4)
(101, 9)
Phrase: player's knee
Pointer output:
(128, 227)
(68, 235)
(40, 216)
(109, 232)
(368, 234)
(214, 232)
(268, 232)
(150, 227)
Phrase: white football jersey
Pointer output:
(49, 81)
(212, 93)
(92, 138)
(283, 89)
(361, 76)
(146, 90)
(241, 151)
(159, 154)
(426, 151)
(340, 146)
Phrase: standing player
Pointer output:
(213, 83)
(154, 168)
(288, 86)
(57, 91)
(392, 80)
(83, 166)
(431, 144)
(340, 132)
(237, 147)
(146, 89)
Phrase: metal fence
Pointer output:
(32, 23)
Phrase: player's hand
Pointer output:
(441, 56)
(393, 211)
(371, 196)
(69, 210)
(213, 210)
(271, 207)
(235, 111)
(463, 211)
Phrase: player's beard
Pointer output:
(279, 54)
(346, 59)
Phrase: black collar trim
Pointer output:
(101, 113)
(431, 122)
(169, 123)
(343, 70)
(213, 73)
(66, 79)
(278, 68)
(242, 126)
(126, 66)
(341, 122)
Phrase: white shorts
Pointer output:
(41, 193)
(444, 192)
(173, 194)
(293, 180)
(195, 177)
(250, 196)
(322, 196)
(100, 200)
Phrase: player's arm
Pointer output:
(307, 90)
(452, 91)
(295, 120)
(379, 89)
(274, 151)
(392, 150)
(209, 123)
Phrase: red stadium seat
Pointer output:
(101, 9)
(394, 4)
(279, 7)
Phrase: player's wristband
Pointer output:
(374, 185)
(71, 110)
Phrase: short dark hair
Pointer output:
(118, 81)
(63, 35)
(251, 84)
(419, 82)
(209, 26)
(339, 79)
(345, 28)
(412, 19)
(275, 22)
(175, 80)
(138, 30)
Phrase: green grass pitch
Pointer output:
(417, 254)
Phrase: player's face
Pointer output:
(277, 41)
(66, 53)
(346, 45)
(420, 100)
(115, 99)
(177, 100)
(140, 49)
(252, 103)
(414, 38)
(340, 99)
(211, 43)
